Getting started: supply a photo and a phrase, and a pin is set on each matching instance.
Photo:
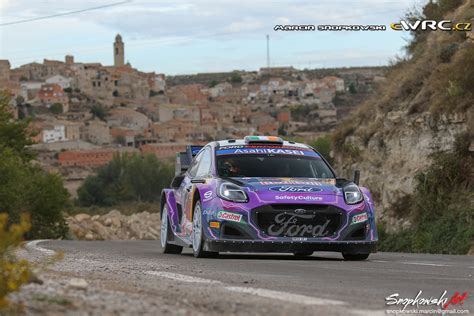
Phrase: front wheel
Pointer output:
(198, 234)
(166, 233)
(355, 256)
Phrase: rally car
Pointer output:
(264, 194)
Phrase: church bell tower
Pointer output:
(119, 51)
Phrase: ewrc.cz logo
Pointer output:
(426, 25)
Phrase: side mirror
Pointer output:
(356, 177)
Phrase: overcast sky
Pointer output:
(182, 36)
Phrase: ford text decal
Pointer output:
(295, 189)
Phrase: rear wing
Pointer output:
(184, 159)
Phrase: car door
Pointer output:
(197, 175)
(186, 193)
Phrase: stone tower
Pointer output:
(119, 51)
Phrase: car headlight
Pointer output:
(352, 194)
(232, 192)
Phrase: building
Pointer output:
(4, 70)
(91, 158)
(55, 134)
(97, 132)
(119, 51)
(63, 82)
(163, 150)
(52, 93)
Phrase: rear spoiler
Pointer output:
(184, 159)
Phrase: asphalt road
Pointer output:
(265, 283)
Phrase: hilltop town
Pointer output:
(84, 113)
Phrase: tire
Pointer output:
(165, 234)
(355, 256)
(198, 234)
(302, 254)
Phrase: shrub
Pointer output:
(99, 111)
(126, 178)
(56, 108)
(441, 208)
(13, 272)
(25, 187)
(324, 146)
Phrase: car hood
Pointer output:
(291, 186)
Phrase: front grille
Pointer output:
(298, 220)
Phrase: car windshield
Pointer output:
(271, 165)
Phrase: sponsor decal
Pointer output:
(359, 218)
(289, 181)
(299, 239)
(440, 304)
(260, 146)
(233, 217)
(298, 198)
(295, 189)
(260, 150)
(287, 225)
(207, 196)
(207, 212)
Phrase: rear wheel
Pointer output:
(198, 234)
(166, 233)
(355, 256)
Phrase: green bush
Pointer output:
(324, 146)
(56, 108)
(126, 178)
(440, 210)
(13, 272)
(25, 187)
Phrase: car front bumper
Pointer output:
(235, 245)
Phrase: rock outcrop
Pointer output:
(115, 226)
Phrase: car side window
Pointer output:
(194, 167)
(204, 168)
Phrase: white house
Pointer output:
(57, 134)
(62, 81)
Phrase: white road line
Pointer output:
(416, 263)
(428, 264)
(278, 295)
(363, 312)
(34, 246)
(182, 277)
(284, 296)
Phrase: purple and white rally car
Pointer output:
(263, 194)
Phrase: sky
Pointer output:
(185, 37)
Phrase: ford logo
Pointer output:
(300, 211)
(295, 189)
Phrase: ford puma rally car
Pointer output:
(263, 194)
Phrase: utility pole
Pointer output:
(268, 52)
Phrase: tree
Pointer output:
(68, 90)
(324, 146)
(352, 88)
(99, 111)
(126, 178)
(56, 108)
(14, 134)
(25, 187)
(235, 78)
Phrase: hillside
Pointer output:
(425, 104)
